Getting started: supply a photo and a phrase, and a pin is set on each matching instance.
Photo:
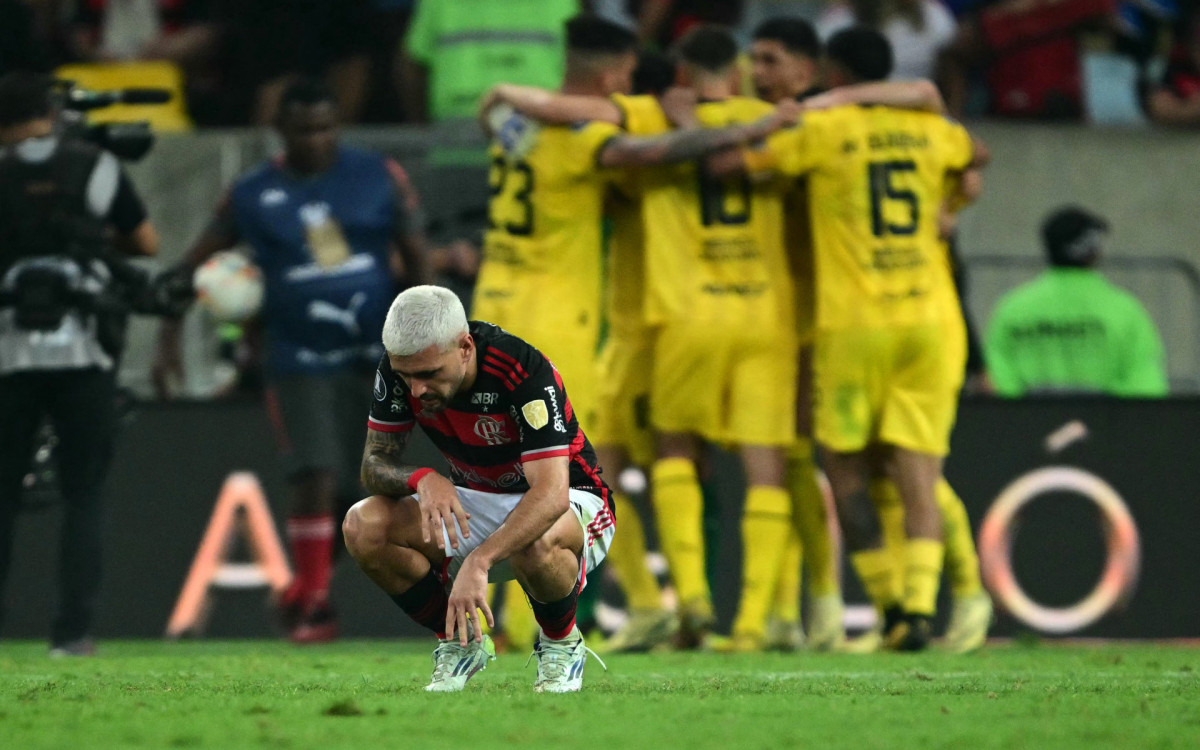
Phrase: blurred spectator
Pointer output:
(334, 229)
(177, 31)
(389, 22)
(1031, 51)
(1176, 99)
(110, 30)
(458, 49)
(1070, 329)
(275, 42)
(664, 21)
(20, 47)
(918, 29)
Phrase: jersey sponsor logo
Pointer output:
(272, 197)
(485, 399)
(897, 140)
(380, 387)
(536, 414)
(491, 430)
(558, 420)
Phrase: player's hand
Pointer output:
(788, 112)
(467, 597)
(486, 102)
(439, 504)
(679, 105)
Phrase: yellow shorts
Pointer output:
(622, 414)
(881, 385)
(727, 385)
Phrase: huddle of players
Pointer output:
(735, 288)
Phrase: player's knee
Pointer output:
(536, 555)
(365, 528)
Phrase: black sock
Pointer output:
(557, 618)
(426, 603)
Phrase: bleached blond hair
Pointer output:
(421, 317)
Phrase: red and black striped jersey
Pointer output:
(516, 411)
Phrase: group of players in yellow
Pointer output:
(709, 268)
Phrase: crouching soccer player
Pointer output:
(524, 498)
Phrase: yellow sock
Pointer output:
(962, 562)
(875, 570)
(922, 575)
(785, 604)
(678, 512)
(888, 504)
(808, 504)
(519, 623)
(766, 525)
(627, 555)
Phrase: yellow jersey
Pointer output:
(714, 248)
(542, 248)
(624, 289)
(876, 181)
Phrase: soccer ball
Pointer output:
(229, 287)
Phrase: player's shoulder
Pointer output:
(262, 186)
(641, 114)
(269, 170)
(490, 337)
(735, 108)
(508, 358)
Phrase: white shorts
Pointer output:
(489, 509)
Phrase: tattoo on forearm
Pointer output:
(382, 472)
(680, 145)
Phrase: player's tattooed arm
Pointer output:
(382, 471)
(692, 143)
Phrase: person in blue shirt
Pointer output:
(334, 231)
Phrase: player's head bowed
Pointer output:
(429, 345)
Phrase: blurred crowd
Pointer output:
(416, 61)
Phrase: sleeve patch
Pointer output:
(536, 414)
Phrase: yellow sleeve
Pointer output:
(588, 139)
(788, 152)
(641, 115)
(957, 148)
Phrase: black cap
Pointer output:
(1072, 237)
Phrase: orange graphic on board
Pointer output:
(241, 509)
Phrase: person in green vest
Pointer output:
(458, 49)
(1070, 330)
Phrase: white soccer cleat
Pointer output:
(560, 663)
(825, 629)
(453, 665)
(644, 630)
(969, 622)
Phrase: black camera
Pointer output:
(128, 141)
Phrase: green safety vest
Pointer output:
(470, 45)
(1071, 330)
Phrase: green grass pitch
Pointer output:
(367, 695)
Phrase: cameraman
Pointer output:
(65, 207)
